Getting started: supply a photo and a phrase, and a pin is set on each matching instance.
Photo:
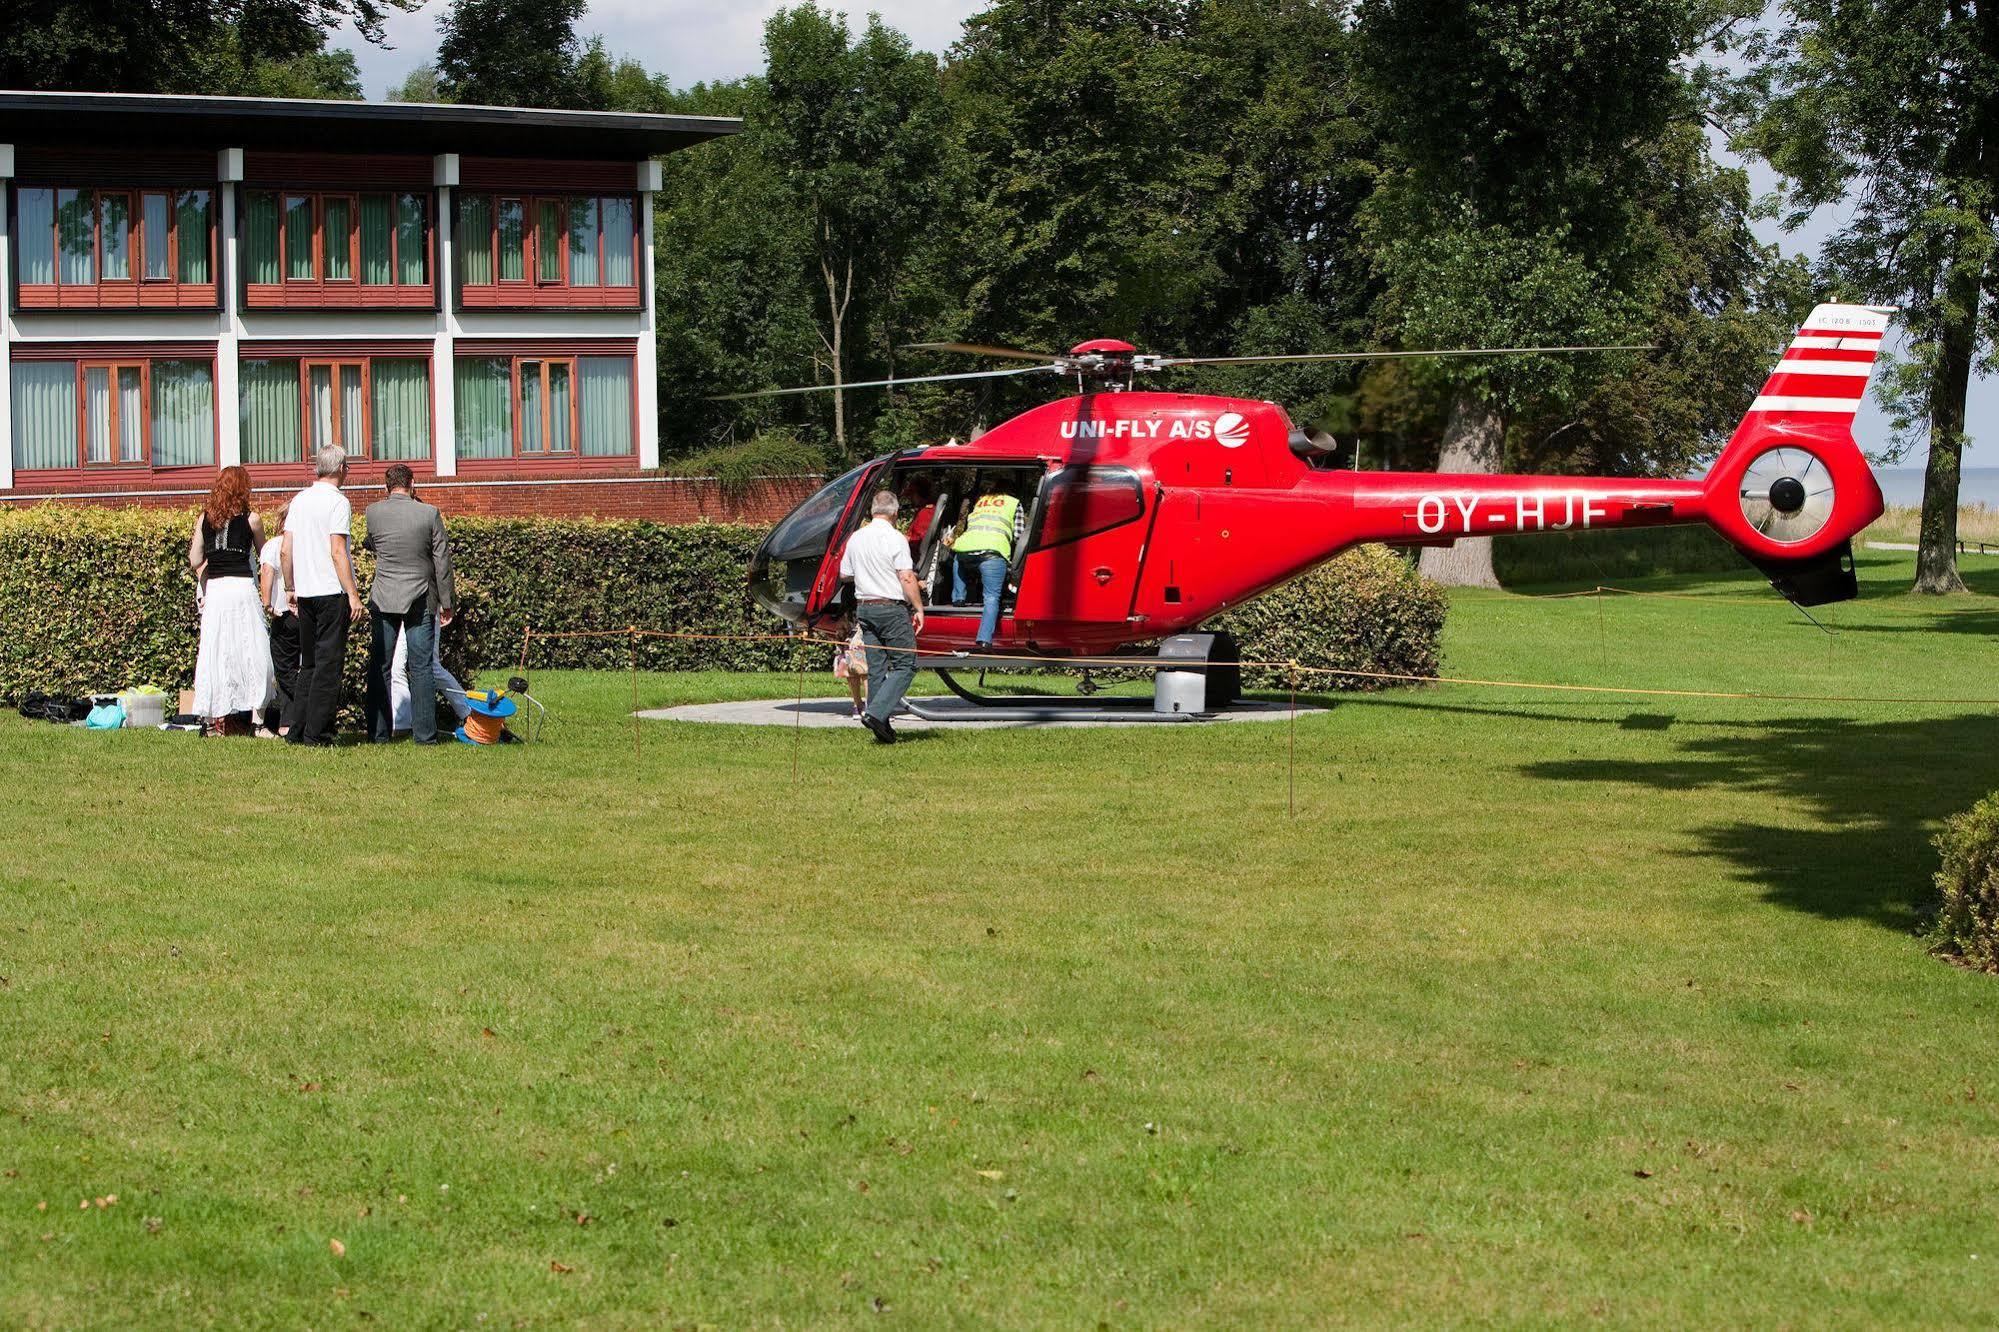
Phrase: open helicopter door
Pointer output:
(795, 573)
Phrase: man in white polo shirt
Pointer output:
(318, 571)
(889, 610)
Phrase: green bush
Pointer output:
(1368, 610)
(738, 466)
(571, 575)
(1608, 556)
(1966, 926)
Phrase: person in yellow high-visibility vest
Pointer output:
(983, 551)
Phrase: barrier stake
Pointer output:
(634, 631)
(798, 712)
(1291, 768)
(527, 633)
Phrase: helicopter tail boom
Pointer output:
(1790, 490)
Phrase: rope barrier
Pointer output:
(1295, 668)
(1602, 588)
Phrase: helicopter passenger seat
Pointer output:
(933, 564)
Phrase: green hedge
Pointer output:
(1966, 926)
(97, 599)
(568, 575)
(1368, 610)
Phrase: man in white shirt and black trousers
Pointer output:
(318, 570)
(889, 610)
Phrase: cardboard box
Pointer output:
(186, 703)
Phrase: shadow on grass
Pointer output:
(1872, 791)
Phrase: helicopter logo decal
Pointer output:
(1229, 429)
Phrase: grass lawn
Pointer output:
(1543, 1009)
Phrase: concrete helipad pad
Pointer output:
(834, 712)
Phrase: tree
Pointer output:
(605, 83)
(1718, 304)
(265, 47)
(1892, 110)
(732, 265)
(1510, 213)
(511, 53)
(419, 85)
(1185, 175)
(855, 129)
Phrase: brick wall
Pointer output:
(662, 499)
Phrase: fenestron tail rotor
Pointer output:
(1787, 494)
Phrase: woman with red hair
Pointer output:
(232, 668)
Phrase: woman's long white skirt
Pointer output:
(232, 668)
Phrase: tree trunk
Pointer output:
(1936, 547)
(1474, 441)
(836, 309)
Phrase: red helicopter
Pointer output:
(1148, 514)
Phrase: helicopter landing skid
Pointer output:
(1041, 707)
(1194, 676)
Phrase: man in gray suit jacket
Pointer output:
(411, 594)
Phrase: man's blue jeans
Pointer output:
(885, 625)
(419, 627)
(990, 569)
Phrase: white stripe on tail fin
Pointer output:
(1826, 368)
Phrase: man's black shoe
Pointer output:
(884, 733)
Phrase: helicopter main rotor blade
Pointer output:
(1167, 361)
(883, 383)
(980, 349)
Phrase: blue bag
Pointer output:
(105, 717)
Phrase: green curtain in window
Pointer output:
(483, 408)
(375, 229)
(399, 388)
(618, 242)
(131, 414)
(156, 235)
(183, 414)
(260, 226)
(298, 238)
(548, 240)
(352, 412)
(513, 240)
(36, 211)
(76, 236)
(115, 239)
(44, 414)
(475, 239)
(337, 245)
(267, 397)
(606, 405)
(561, 408)
(412, 252)
(192, 223)
(582, 242)
(531, 407)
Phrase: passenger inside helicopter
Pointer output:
(939, 501)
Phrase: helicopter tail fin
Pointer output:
(1792, 488)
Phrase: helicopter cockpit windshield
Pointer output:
(786, 565)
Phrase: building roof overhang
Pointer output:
(300, 124)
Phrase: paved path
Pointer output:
(833, 712)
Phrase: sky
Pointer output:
(692, 41)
